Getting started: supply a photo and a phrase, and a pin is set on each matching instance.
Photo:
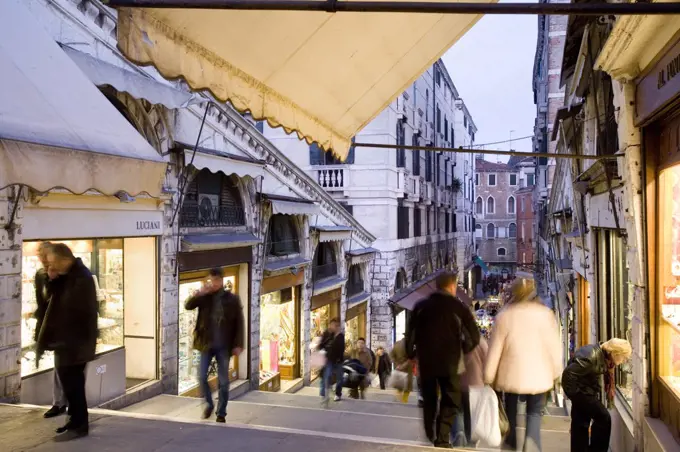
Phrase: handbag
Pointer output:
(503, 421)
(398, 380)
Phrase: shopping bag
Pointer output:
(318, 359)
(398, 380)
(485, 416)
(503, 421)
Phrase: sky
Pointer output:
(492, 68)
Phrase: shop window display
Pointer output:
(669, 274)
(278, 336)
(105, 260)
(352, 334)
(189, 359)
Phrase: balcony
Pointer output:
(412, 188)
(324, 271)
(195, 216)
(332, 177)
(427, 192)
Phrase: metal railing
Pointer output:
(283, 247)
(192, 216)
(354, 287)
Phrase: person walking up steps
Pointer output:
(333, 342)
(218, 334)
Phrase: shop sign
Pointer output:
(148, 225)
(659, 87)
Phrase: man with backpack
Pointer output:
(440, 332)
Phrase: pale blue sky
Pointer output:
(492, 67)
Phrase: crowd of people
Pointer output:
(522, 361)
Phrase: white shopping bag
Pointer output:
(398, 380)
(484, 416)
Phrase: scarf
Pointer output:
(609, 379)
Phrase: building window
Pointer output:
(212, 200)
(446, 129)
(428, 166)
(325, 264)
(501, 252)
(476, 179)
(417, 222)
(490, 231)
(438, 77)
(465, 121)
(355, 284)
(512, 231)
(453, 143)
(416, 156)
(401, 141)
(318, 156)
(479, 206)
(439, 120)
(491, 180)
(530, 180)
(282, 238)
(478, 231)
(513, 179)
(521, 205)
(427, 105)
(490, 205)
(511, 204)
(612, 294)
(402, 222)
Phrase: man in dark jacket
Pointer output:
(218, 334)
(44, 283)
(70, 329)
(383, 366)
(333, 343)
(441, 330)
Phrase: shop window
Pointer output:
(279, 338)
(282, 237)
(355, 284)
(126, 292)
(512, 230)
(189, 359)
(325, 264)
(511, 205)
(479, 206)
(490, 231)
(212, 200)
(490, 205)
(612, 279)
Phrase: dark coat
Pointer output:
(70, 322)
(440, 331)
(334, 345)
(42, 296)
(232, 324)
(384, 365)
(583, 372)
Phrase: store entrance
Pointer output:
(280, 339)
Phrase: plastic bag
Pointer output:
(318, 358)
(398, 380)
(485, 420)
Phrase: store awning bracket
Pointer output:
(336, 6)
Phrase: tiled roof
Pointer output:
(482, 166)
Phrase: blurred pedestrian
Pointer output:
(218, 334)
(383, 366)
(471, 378)
(524, 360)
(45, 282)
(70, 329)
(441, 330)
(365, 356)
(581, 384)
(333, 343)
(402, 363)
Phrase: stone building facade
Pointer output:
(496, 216)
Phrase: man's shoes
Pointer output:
(54, 411)
(73, 430)
(220, 419)
(443, 445)
(208, 411)
(337, 398)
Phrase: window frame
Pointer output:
(514, 205)
(493, 205)
(488, 180)
(493, 229)
(510, 176)
(498, 252)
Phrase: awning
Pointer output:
(478, 260)
(409, 299)
(334, 233)
(320, 74)
(224, 162)
(199, 242)
(362, 251)
(328, 284)
(286, 205)
(138, 86)
(56, 128)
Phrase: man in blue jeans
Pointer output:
(333, 343)
(218, 334)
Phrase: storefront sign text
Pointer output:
(669, 72)
(148, 225)
(659, 87)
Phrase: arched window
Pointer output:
(355, 284)
(479, 205)
(478, 230)
(512, 230)
(325, 264)
(212, 200)
(511, 204)
(490, 231)
(400, 283)
(490, 205)
(501, 252)
(282, 238)
(415, 275)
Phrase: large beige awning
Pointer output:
(57, 130)
(322, 75)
